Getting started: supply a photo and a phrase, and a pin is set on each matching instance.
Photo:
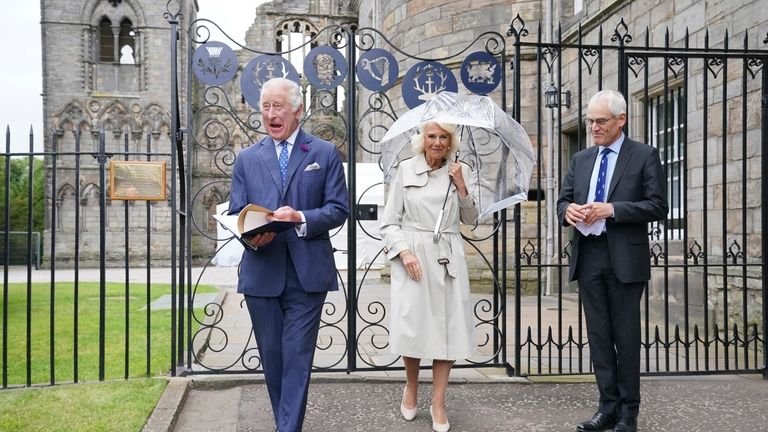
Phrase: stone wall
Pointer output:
(435, 30)
(83, 93)
(723, 171)
(77, 95)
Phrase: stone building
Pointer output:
(704, 116)
(99, 90)
(225, 122)
(106, 66)
(705, 194)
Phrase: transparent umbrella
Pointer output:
(492, 143)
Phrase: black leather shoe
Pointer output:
(598, 422)
(626, 424)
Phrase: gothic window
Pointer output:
(578, 5)
(106, 41)
(667, 118)
(127, 42)
(292, 40)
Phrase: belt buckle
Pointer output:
(443, 261)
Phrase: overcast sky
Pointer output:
(21, 78)
(21, 82)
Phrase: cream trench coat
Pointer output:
(431, 318)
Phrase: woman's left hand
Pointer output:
(457, 177)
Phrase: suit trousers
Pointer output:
(286, 329)
(612, 311)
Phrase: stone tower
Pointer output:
(291, 28)
(105, 66)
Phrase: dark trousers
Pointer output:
(286, 330)
(612, 310)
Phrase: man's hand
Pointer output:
(575, 213)
(261, 239)
(596, 211)
(286, 214)
(411, 264)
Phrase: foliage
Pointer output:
(105, 406)
(19, 194)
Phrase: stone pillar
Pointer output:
(116, 39)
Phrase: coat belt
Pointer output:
(444, 250)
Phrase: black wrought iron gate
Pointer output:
(705, 255)
(706, 110)
(222, 118)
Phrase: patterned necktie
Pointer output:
(601, 174)
(283, 160)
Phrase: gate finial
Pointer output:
(172, 14)
(517, 28)
(621, 33)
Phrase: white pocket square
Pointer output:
(312, 166)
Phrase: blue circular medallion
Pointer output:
(480, 72)
(377, 70)
(325, 67)
(214, 63)
(425, 80)
(260, 70)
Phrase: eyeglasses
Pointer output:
(600, 121)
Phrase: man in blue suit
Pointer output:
(619, 185)
(285, 276)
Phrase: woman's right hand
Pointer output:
(411, 264)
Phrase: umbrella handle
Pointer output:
(436, 232)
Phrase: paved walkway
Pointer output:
(479, 399)
(345, 404)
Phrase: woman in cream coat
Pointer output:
(431, 306)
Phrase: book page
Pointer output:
(229, 222)
(253, 219)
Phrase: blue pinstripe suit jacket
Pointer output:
(321, 194)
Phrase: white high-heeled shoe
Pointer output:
(408, 413)
(439, 427)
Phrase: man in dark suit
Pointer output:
(613, 189)
(285, 276)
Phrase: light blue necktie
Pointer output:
(283, 160)
(601, 174)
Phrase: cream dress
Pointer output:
(431, 318)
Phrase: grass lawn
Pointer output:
(117, 363)
(113, 405)
(102, 406)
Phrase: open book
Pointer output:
(252, 220)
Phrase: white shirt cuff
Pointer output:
(301, 230)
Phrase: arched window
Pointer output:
(290, 36)
(127, 42)
(106, 41)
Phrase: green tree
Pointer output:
(19, 194)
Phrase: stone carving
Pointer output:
(326, 68)
(481, 72)
(378, 68)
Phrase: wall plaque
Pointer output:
(137, 180)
